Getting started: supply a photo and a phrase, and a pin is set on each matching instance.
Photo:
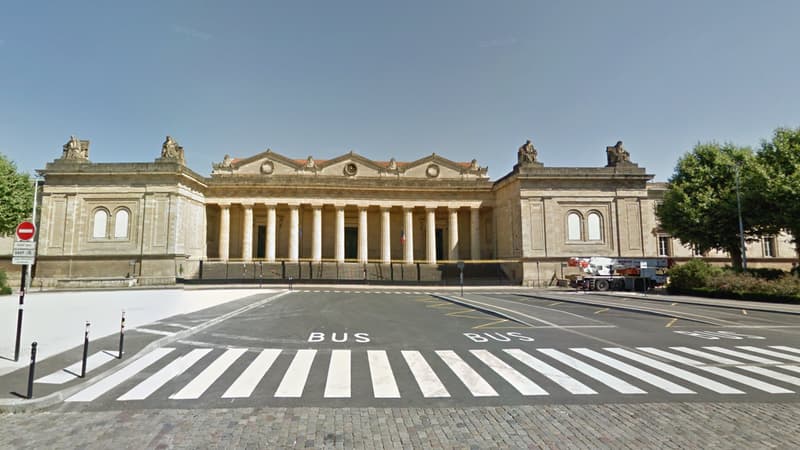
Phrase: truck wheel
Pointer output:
(601, 285)
(619, 284)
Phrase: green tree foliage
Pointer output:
(777, 182)
(700, 206)
(16, 196)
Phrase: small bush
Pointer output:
(766, 273)
(692, 275)
(4, 287)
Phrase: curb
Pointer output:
(25, 405)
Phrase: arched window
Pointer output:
(100, 223)
(121, 224)
(573, 226)
(594, 226)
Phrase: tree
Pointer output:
(700, 206)
(16, 196)
(777, 179)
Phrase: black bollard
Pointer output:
(121, 334)
(19, 313)
(85, 350)
(31, 370)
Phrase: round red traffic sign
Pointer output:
(25, 231)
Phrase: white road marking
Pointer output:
(785, 348)
(471, 379)
(773, 374)
(609, 380)
(706, 355)
(562, 379)
(338, 382)
(383, 382)
(207, 377)
(160, 378)
(741, 355)
(774, 354)
(110, 382)
(724, 373)
(520, 382)
(244, 386)
(675, 371)
(159, 332)
(628, 369)
(74, 371)
(294, 380)
(426, 378)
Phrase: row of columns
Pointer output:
(316, 240)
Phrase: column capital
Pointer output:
(430, 208)
(248, 204)
(225, 205)
(362, 207)
(385, 208)
(316, 207)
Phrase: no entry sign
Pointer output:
(25, 231)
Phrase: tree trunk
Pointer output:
(736, 258)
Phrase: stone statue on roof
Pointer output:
(392, 164)
(617, 155)
(76, 149)
(526, 153)
(170, 150)
(310, 163)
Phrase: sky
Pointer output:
(464, 79)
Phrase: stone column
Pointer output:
(408, 248)
(270, 250)
(316, 241)
(224, 231)
(362, 234)
(430, 241)
(475, 233)
(386, 236)
(294, 232)
(453, 235)
(339, 234)
(247, 233)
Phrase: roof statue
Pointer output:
(527, 153)
(76, 149)
(225, 164)
(618, 156)
(310, 164)
(171, 151)
(392, 164)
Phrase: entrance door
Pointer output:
(262, 242)
(350, 242)
(439, 244)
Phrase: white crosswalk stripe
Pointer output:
(567, 382)
(428, 382)
(160, 378)
(609, 380)
(72, 372)
(724, 373)
(106, 384)
(192, 373)
(244, 386)
(471, 379)
(647, 377)
(767, 352)
(208, 376)
(741, 355)
(294, 381)
(383, 382)
(338, 382)
(785, 348)
(675, 371)
(520, 382)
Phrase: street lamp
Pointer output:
(738, 168)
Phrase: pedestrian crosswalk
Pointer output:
(192, 373)
(373, 292)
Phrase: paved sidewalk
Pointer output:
(56, 320)
(633, 426)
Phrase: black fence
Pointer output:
(262, 272)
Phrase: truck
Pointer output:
(602, 273)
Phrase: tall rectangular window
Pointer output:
(769, 246)
(664, 246)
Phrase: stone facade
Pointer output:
(154, 222)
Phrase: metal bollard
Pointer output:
(85, 350)
(290, 283)
(31, 370)
(121, 334)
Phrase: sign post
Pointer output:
(24, 253)
(461, 275)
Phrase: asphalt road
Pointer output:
(351, 348)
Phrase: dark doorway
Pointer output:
(261, 242)
(439, 244)
(350, 243)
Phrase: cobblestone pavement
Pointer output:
(674, 425)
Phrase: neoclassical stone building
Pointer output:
(345, 218)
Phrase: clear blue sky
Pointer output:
(464, 79)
